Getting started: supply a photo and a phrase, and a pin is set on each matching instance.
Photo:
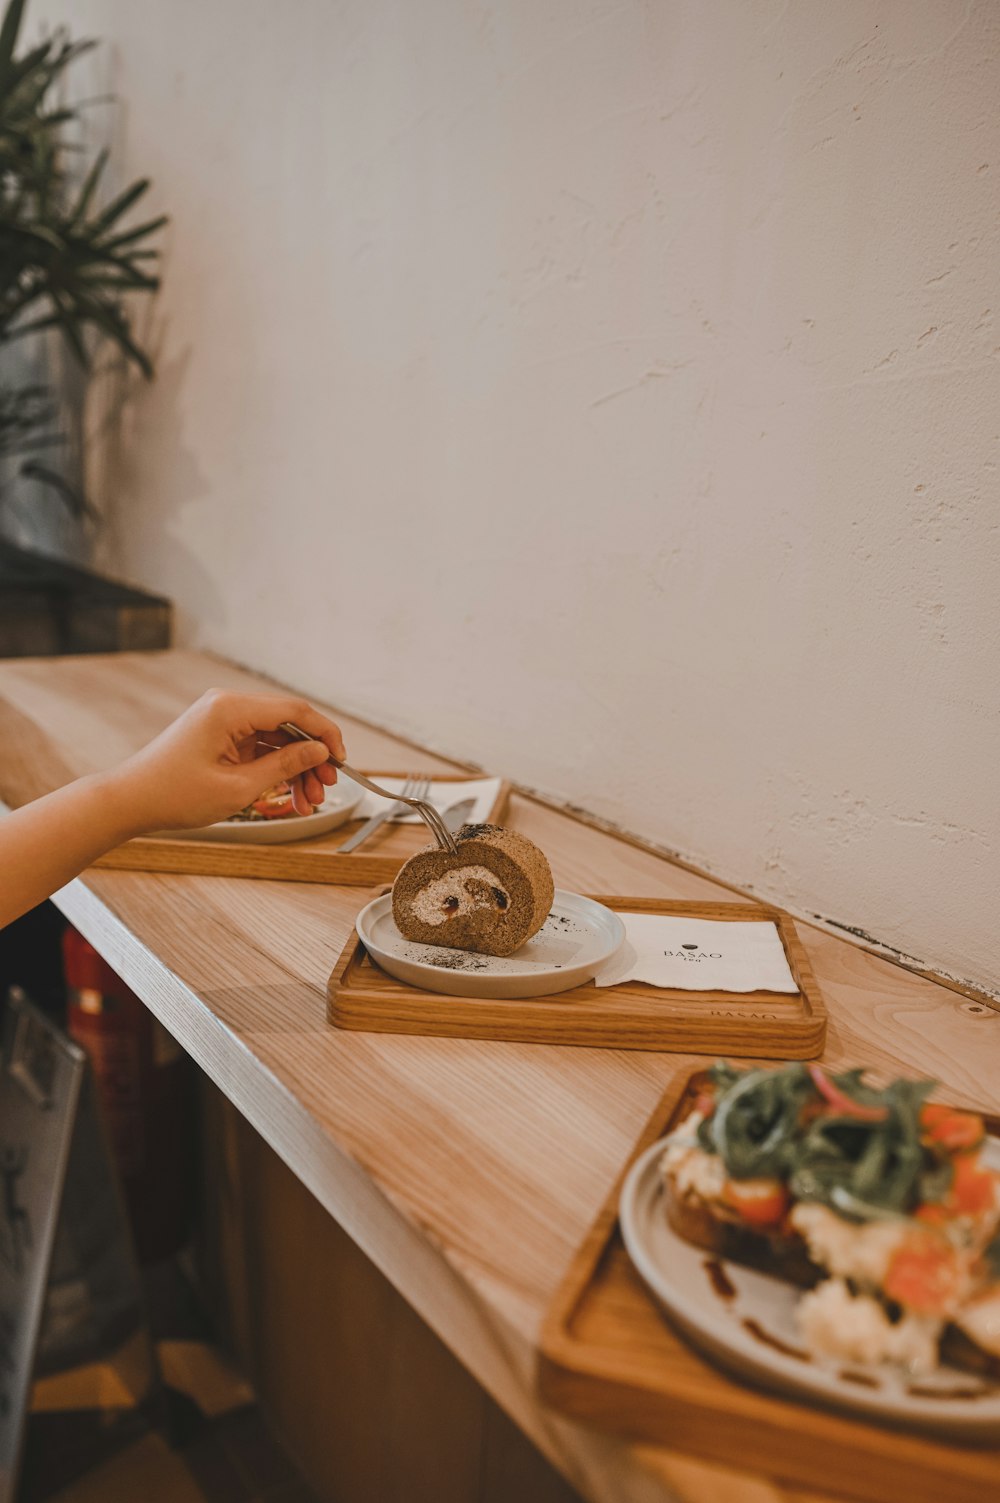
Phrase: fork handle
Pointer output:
(358, 777)
(427, 812)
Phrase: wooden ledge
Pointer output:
(468, 1172)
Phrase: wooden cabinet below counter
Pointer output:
(370, 1403)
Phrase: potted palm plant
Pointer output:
(72, 265)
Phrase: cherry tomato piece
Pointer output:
(925, 1275)
(761, 1202)
(275, 803)
(951, 1129)
(974, 1188)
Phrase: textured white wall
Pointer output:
(603, 392)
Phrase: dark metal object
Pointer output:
(48, 607)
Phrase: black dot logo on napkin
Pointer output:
(689, 947)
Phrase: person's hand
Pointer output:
(220, 755)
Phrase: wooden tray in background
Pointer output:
(607, 1356)
(632, 1015)
(313, 860)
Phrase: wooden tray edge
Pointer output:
(800, 1038)
(284, 862)
(553, 1337)
(564, 1370)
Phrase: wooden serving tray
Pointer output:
(608, 1356)
(632, 1015)
(315, 860)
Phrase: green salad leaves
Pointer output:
(847, 1145)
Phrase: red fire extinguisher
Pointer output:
(143, 1083)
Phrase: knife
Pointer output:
(457, 814)
(454, 817)
(369, 827)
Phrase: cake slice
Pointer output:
(492, 895)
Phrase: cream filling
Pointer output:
(428, 905)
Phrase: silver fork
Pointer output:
(427, 812)
(413, 788)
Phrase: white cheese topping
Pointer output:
(430, 905)
(690, 1168)
(702, 1173)
(849, 1327)
(849, 1251)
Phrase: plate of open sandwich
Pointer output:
(832, 1239)
(271, 819)
(487, 921)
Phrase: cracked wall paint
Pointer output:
(604, 392)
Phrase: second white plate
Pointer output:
(577, 938)
(336, 809)
(746, 1321)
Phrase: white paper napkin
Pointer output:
(702, 955)
(442, 795)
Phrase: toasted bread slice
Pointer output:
(959, 1350)
(784, 1255)
(781, 1253)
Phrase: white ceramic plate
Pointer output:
(576, 939)
(336, 809)
(745, 1332)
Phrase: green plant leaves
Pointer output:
(8, 37)
(65, 262)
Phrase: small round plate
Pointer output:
(577, 938)
(336, 809)
(751, 1330)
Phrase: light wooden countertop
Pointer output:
(467, 1171)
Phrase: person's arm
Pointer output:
(210, 763)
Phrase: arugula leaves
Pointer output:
(775, 1123)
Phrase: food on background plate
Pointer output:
(274, 803)
(878, 1202)
(491, 896)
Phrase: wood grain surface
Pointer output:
(315, 860)
(631, 1015)
(608, 1355)
(468, 1171)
